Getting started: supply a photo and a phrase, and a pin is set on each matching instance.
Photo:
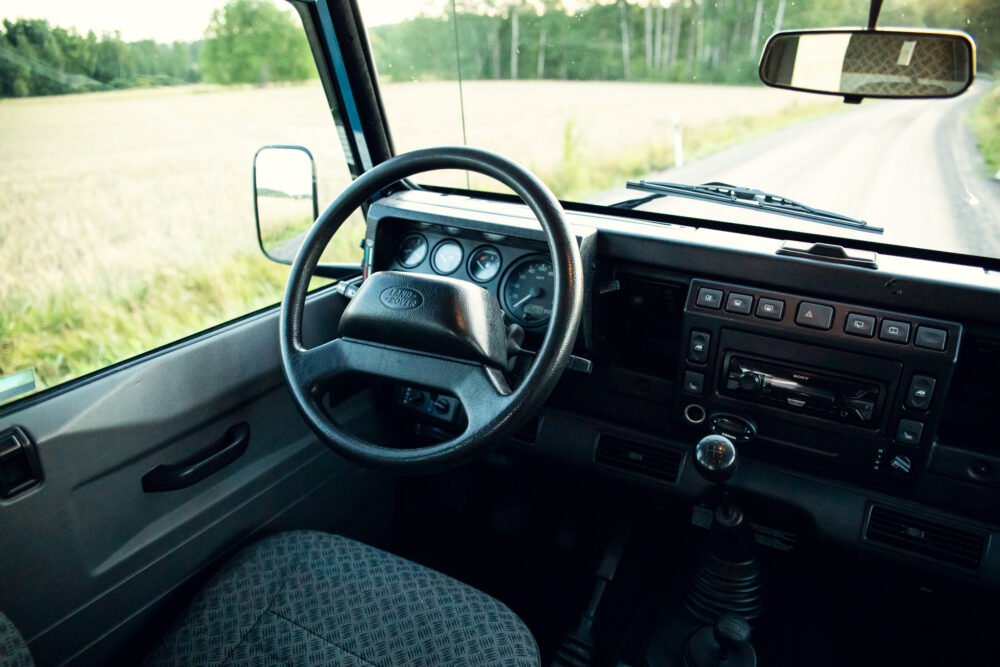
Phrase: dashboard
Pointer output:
(861, 397)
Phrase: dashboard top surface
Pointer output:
(938, 288)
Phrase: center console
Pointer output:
(847, 390)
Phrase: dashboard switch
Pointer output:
(709, 298)
(770, 309)
(859, 325)
(931, 339)
(814, 315)
(698, 347)
(895, 331)
(740, 304)
(909, 432)
(920, 393)
(694, 383)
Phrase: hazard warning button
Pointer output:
(814, 315)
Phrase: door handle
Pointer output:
(193, 469)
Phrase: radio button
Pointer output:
(750, 381)
(931, 338)
(920, 393)
(860, 325)
(709, 298)
(770, 309)
(894, 331)
(694, 383)
(698, 346)
(909, 432)
(741, 304)
(814, 315)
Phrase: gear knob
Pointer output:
(716, 458)
(731, 632)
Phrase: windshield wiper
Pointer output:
(734, 195)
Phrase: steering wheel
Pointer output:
(432, 332)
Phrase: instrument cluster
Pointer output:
(522, 278)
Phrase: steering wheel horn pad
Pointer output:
(433, 314)
(431, 331)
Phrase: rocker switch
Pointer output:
(698, 346)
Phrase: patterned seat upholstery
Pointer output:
(13, 651)
(308, 598)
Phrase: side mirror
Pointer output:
(870, 63)
(285, 200)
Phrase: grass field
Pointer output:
(986, 125)
(128, 216)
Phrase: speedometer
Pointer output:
(527, 291)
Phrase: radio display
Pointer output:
(801, 390)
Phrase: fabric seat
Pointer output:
(308, 598)
(13, 651)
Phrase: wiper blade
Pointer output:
(734, 195)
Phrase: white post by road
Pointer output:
(678, 142)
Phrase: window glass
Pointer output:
(127, 135)
(589, 94)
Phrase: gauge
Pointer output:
(485, 263)
(447, 257)
(527, 291)
(411, 251)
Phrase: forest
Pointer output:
(694, 41)
(253, 42)
(247, 41)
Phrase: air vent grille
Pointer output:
(949, 544)
(975, 377)
(615, 452)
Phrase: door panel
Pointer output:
(85, 556)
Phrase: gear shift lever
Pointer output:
(716, 458)
(728, 579)
(726, 643)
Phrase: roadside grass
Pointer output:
(584, 171)
(75, 331)
(986, 127)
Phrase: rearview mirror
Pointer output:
(285, 201)
(870, 63)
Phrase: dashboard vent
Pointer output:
(975, 376)
(615, 452)
(529, 430)
(948, 544)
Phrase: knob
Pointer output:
(750, 381)
(732, 632)
(715, 458)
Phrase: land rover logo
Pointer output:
(401, 298)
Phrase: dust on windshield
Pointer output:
(591, 94)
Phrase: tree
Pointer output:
(253, 41)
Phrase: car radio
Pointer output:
(819, 394)
(837, 388)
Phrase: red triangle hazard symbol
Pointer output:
(808, 314)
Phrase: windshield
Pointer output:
(589, 95)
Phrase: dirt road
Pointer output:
(909, 166)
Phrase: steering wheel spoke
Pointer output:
(314, 366)
(483, 392)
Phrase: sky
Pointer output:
(174, 20)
